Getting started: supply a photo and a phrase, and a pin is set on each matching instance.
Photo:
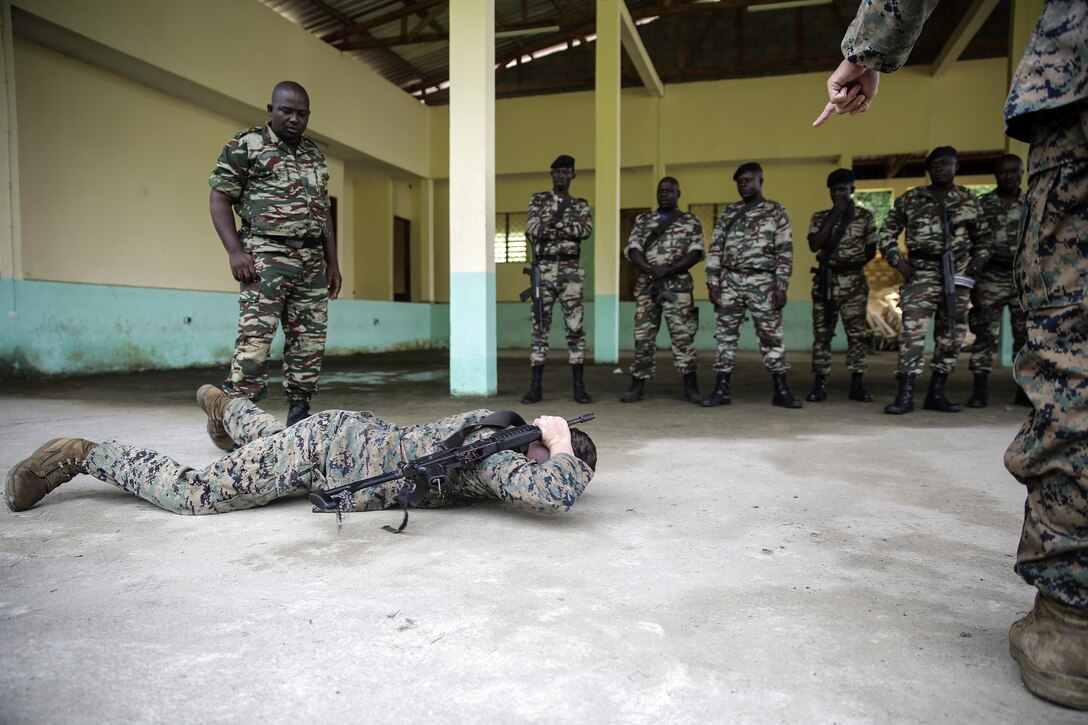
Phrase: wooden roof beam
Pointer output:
(963, 34)
(636, 51)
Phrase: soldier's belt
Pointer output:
(292, 242)
(1002, 264)
(848, 267)
(913, 257)
(749, 270)
(558, 257)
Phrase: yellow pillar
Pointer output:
(10, 256)
(472, 198)
(607, 185)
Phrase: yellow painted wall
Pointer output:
(114, 178)
(374, 198)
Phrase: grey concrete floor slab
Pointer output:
(737, 564)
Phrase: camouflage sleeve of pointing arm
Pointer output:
(889, 233)
(232, 169)
(883, 32)
(550, 487)
(783, 247)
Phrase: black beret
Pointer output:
(840, 176)
(563, 162)
(939, 153)
(745, 168)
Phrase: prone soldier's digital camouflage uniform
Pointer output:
(920, 214)
(849, 290)
(331, 449)
(995, 289)
(557, 242)
(1048, 107)
(682, 236)
(282, 199)
(751, 254)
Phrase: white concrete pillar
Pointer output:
(606, 308)
(472, 198)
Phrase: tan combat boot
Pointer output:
(1051, 647)
(213, 401)
(58, 461)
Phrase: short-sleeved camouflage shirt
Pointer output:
(858, 237)
(277, 192)
(919, 213)
(751, 239)
(684, 235)
(1004, 224)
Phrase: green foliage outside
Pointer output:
(878, 201)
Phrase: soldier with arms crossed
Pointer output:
(664, 245)
(556, 227)
(844, 238)
(748, 268)
(284, 255)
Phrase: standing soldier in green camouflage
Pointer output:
(995, 288)
(327, 450)
(664, 245)
(922, 213)
(844, 238)
(557, 225)
(748, 267)
(284, 255)
(1048, 107)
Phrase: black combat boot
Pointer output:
(634, 393)
(534, 395)
(904, 402)
(935, 399)
(297, 410)
(720, 395)
(782, 395)
(819, 390)
(857, 390)
(980, 395)
(1021, 398)
(580, 394)
(691, 389)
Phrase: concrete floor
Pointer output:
(740, 564)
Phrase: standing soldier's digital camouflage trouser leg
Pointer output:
(921, 299)
(291, 286)
(994, 291)
(752, 292)
(1050, 453)
(563, 281)
(851, 294)
(682, 322)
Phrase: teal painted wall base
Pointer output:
(473, 363)
(604, 341)
(53, 328)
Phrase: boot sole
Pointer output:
(1054, 686)
(9, 480)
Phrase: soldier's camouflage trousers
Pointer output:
(851, 294)
(563, 281)
(1050, 453)
(751, 292)
(922, 300)
(682, 321)
(292, 287)
(271, 463)
(993, 292)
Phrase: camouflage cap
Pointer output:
(563, 162)
(840, 176)
(745, 168)
(941, 152)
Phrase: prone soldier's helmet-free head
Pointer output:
(584, 447)
(563, 161)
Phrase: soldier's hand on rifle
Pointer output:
(715, 295)
(242, 267)
(905, 269)
(778, 297)
(554, 434)
(658, 271)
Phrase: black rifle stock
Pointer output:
(434, 470)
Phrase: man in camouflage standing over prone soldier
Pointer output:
(664, 245)
(748, 267)
(844, 238)
(927, 213)
(995, 289)
(556, 227)
(284, 255)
